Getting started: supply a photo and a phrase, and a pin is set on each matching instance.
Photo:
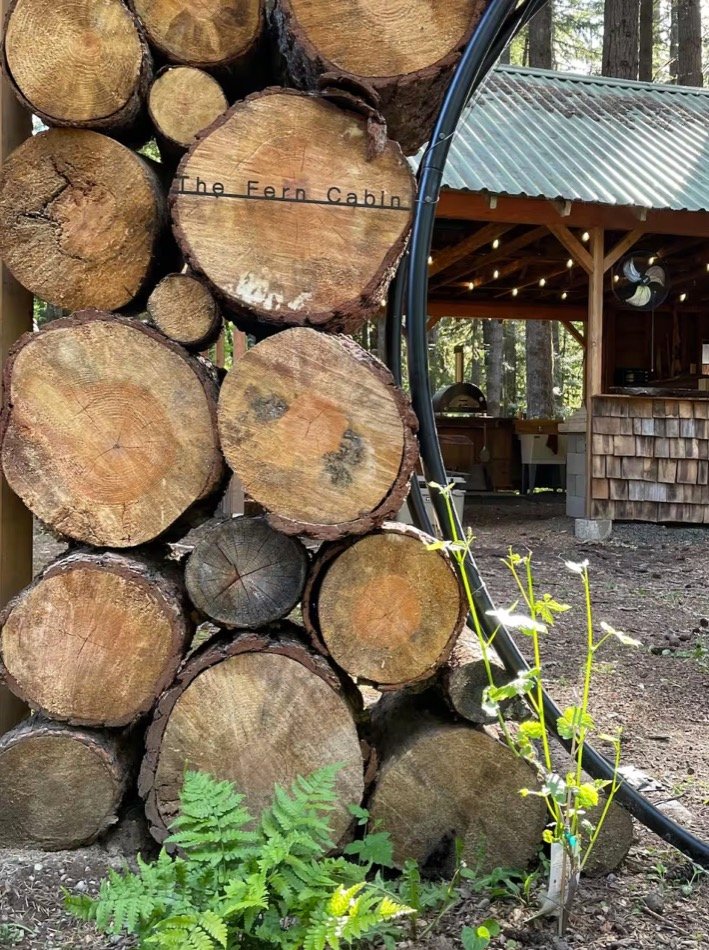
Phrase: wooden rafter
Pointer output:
(451, 255)
(502, 253)
(505, 310)
(576, 334)
(621, 248)
(572, 244)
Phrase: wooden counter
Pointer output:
(650, 458)
(462, 439)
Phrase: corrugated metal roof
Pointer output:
(541, 134)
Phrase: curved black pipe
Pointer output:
(495, 28)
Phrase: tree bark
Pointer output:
(211, 34)
(311, 224)
(674, 41)
(540, 396)
(184, 309)
(108, 429)
(403, 67)
(62, 786)
(510, 400)
(77, 64)
(621, 22)
(243, 574)
(80, 219)
(647, 40)
(384, 607)
(183, 101)
(689, 43)
(441, 781)
(492, 330)
(95, 638)
(541, 46)
(257, 710)
(318, 434)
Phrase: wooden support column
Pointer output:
(15, 319)
(594, 346)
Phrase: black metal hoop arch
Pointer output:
(500, 23)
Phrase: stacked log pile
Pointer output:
(287, 215)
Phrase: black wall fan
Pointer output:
(640, 282)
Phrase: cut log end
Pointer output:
(318, 434)
(80, 215)
(184, 309)
(309, 227)
(243, 574)
(451, 782)
(110, 430)
(387, 609)
(183, 101)
(75, 63)
(212, 33)
(406, 66)
(258, 711)
(614, 839)
(61, 786)
(95, 639)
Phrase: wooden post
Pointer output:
(15, 319)
(594, 346)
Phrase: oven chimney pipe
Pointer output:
(459, 355)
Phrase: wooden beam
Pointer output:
(572, 244)
(621, 248)
(505, 310)
(510, 247)
(448, 256)
(15, 319)
(576, 334)
(468, 206)
(594, 333)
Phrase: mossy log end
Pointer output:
(385, 607)
(402, 52)
(61, 786)
(257, 710)
(96, 638)
(284, 209)
(78, 64)
(108, 429)
(318, 434)
(80, 219)
(440, 781)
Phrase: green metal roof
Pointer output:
(542, 134)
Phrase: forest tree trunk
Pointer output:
(540, 380)
(540, 38)
(689, 43)
(493, 333)
(647, 39)
(621, 43)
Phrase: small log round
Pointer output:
(61, 786)
(210, 34)
(385, 608)
(243, 574)
(442, 781)
(258, 710)
(318, 434)
(108, 429)
(402, 51)
(182, 102)
(77, 63)
(291, 220)
(95, 638)
(464, 680)
(80, 216)
(184, 309)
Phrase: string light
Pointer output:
(495, 274)
(514, 291)
(708, 267)
(616, 278)
(651, 261)
(430, 261)
(495, 244)
(585, 236)
(570, 263)
(682, 298)
(471, 285)
(543, 282)
(564, 295)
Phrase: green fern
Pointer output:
(238, 882)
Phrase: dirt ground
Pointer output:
(650, 582)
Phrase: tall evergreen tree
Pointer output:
(621, 40)
(647, 39)
(689, 43)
